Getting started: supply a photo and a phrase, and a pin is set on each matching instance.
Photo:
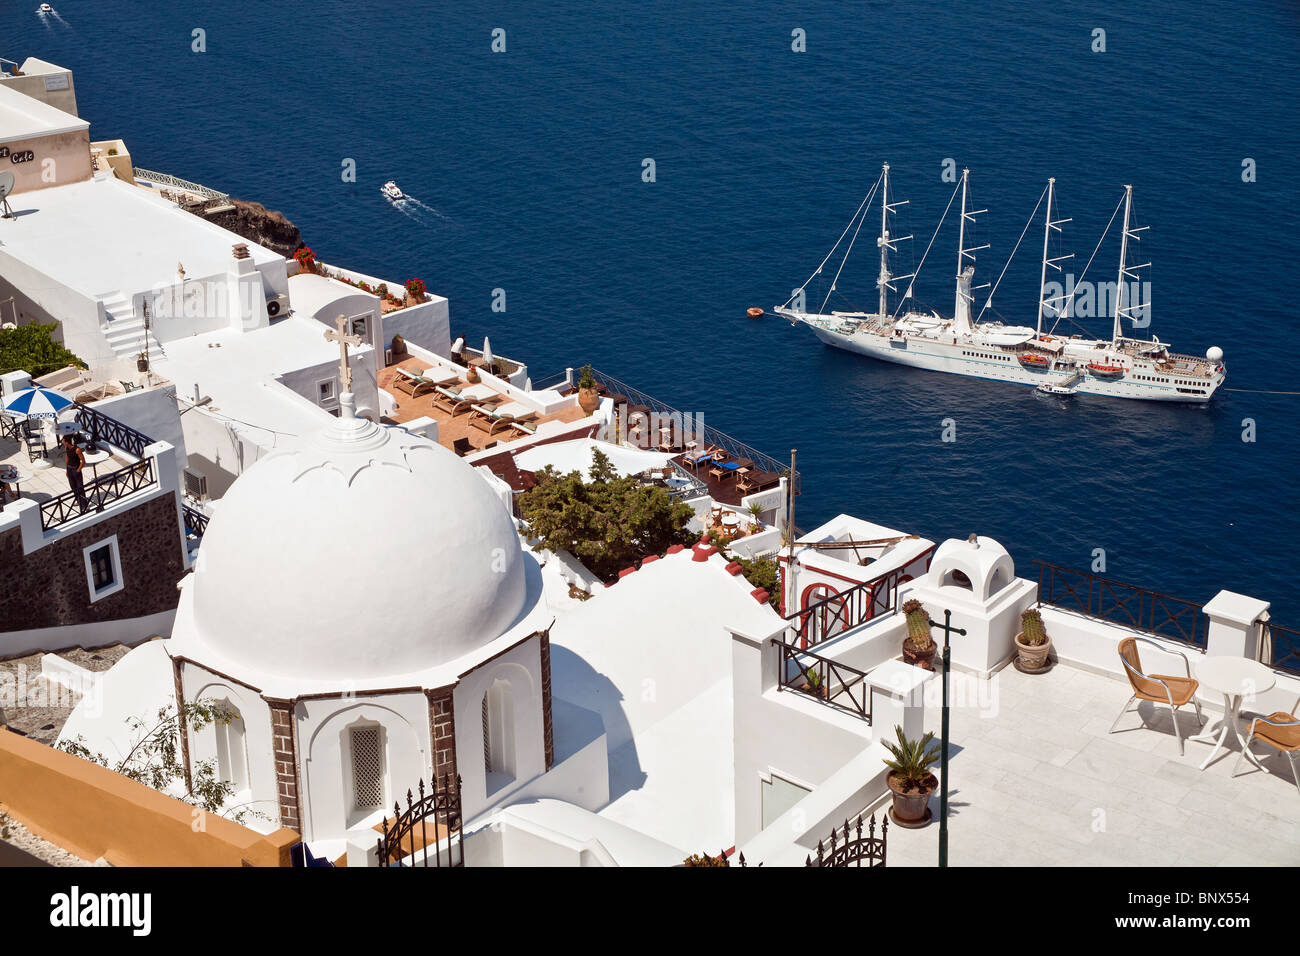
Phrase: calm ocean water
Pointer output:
(530, 163)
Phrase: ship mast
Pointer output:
(886, 242)
(1048, 227)
(961, 317)
(1126, 272)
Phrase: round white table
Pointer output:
(730, 520)
(13, 475)
(1236, 678)
(94, 459)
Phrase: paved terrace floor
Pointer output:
(1041, 782)
(51, 482)
(450, 427)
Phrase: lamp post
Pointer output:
(948, 630)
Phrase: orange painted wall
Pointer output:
(93, 812)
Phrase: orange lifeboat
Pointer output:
(1106, 371)
(1032, 360)
(754, 313)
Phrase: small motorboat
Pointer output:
(46, 8)
(1047, 388)
(392, 191)
(1033, 361)
(1106, 371)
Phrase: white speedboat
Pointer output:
(1120, 366)
(392, 191)
(45, 8)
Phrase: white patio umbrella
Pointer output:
(37, 402)
(577, 455)
(487, 354)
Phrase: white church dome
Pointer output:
(368, 552)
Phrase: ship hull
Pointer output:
(936, 356)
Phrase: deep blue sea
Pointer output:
(531, 163)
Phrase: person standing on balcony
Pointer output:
(457, 348)
(75, 462)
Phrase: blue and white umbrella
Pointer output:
(37, 402)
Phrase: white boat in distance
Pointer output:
(1118, 367)
(391, 190)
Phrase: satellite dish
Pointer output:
(6, 187)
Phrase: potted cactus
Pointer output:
(909, 778)
(588, 397)
(1032, 643)
(918, 646)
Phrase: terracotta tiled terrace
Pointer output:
(453, 427)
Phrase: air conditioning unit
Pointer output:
(196, 485)
(277, 305)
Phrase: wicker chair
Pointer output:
(1158, 688)
(1281, 731)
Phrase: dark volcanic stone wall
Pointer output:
(48, 587)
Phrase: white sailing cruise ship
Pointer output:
(1120, 367)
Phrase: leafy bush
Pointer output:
(606, 522)
(33, 349)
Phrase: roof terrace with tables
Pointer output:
(1049, 768)
(32, 462)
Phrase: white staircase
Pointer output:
(124, 330)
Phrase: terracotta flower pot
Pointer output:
(471, 375)
(917, 657)
(1033, 657)
(910, 806)
(588, 399)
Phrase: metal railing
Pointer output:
(437, 809)
(101, 428)
(1284, 645)
(99, 492)
(1139, 608)
(848, 847)
(163, 179)
(196, 522)
(839, 685)
(844, 610)
(708, 435)
(694, 488)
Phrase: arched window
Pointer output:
(498, 735)
(232, 752)
(958, 578)
(366, 750)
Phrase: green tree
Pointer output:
(155, 760)
(607, 522)
(33, 349)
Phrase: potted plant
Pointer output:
(306, 259)
(814, 685)
(756, 512)
(909, 778)
(918, 646)
(414, 291)
(588, 397)
(1032, 643)
(142, 362)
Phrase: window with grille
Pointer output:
(367, 768)
(101, 568)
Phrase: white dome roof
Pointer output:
(368, 552)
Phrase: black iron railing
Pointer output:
(99, 492)
(196, 522)
(1286, 647)
(110, 431)
(844, 610)
(706, 435)
(849, 847)
(839, 685)
(435, 813)
(1139, 608)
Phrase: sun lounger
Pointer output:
(486, 420)
(413, 383)
(450, 402)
